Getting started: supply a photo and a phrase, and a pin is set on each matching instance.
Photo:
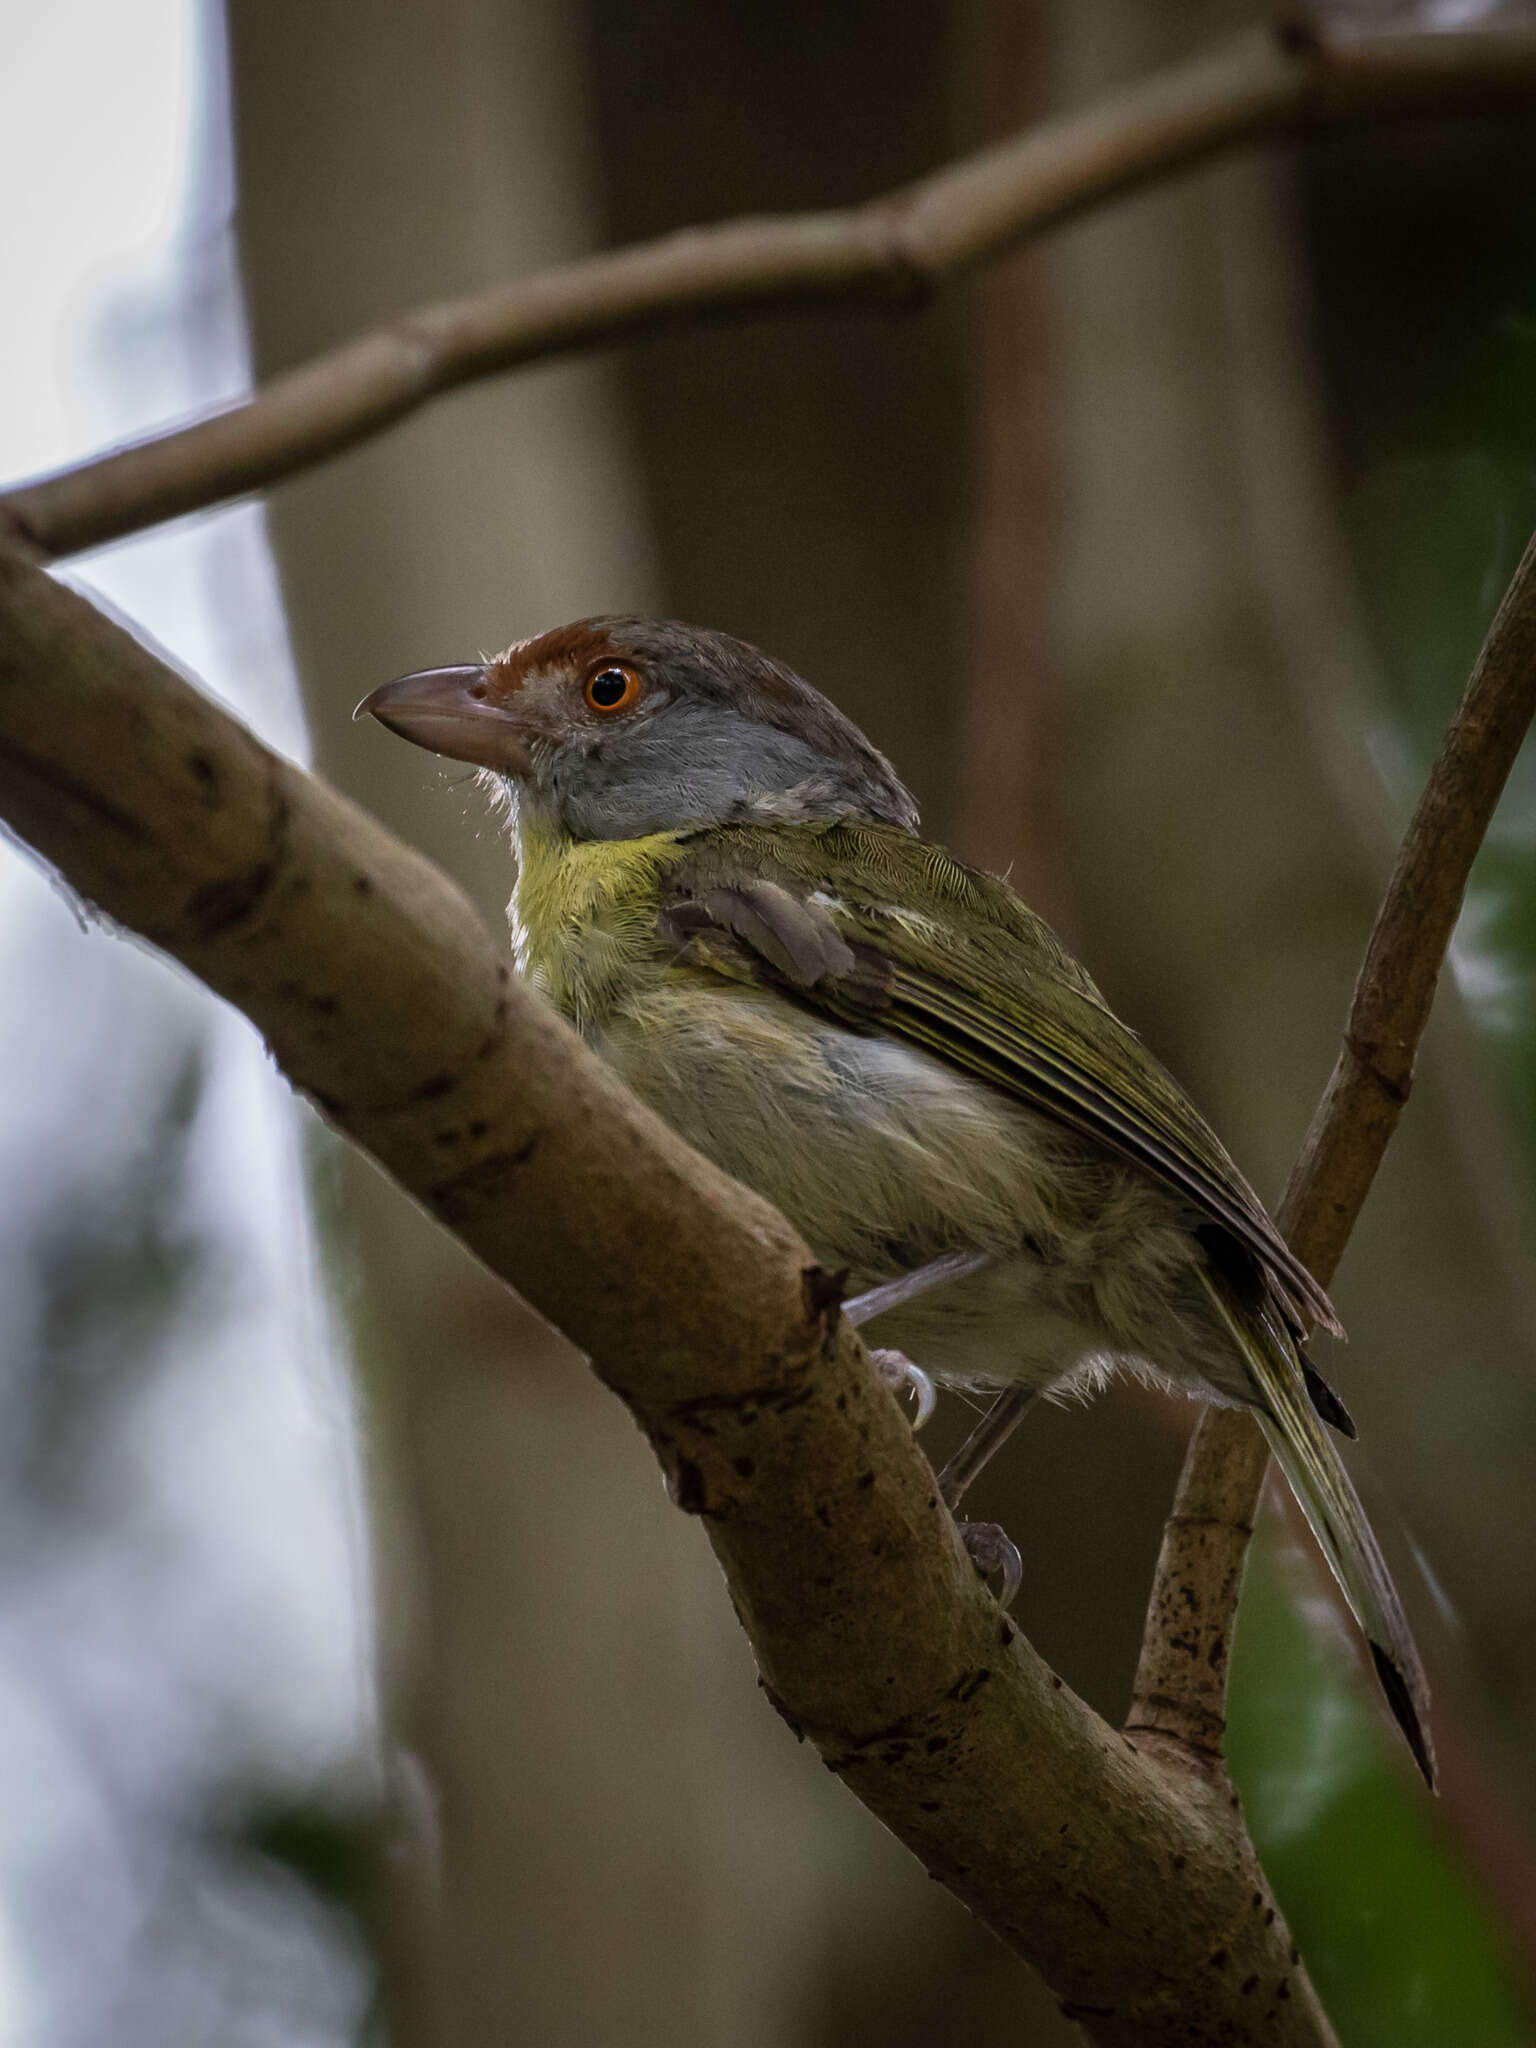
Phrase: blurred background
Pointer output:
(357, 1684)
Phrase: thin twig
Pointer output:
(891, 251)
(1131, 1886)
(1180, 1691)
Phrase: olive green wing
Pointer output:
(886, 933)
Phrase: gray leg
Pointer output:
(897, 1370)
(990, 1547)
(989, 1435)
(908, 1286)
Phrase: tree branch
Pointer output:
(1180, 1690)
(1130, 1884)
(891, 251)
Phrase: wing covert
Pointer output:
(994, 995)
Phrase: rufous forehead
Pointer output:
(568, 648)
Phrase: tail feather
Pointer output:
(1325, 1400)
(1328, 1499)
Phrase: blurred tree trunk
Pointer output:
(1013, 713)
(1088, 1488)
(1229, 837)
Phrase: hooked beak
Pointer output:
(452, 711)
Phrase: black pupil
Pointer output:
(608, 688)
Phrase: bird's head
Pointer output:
(615, 727)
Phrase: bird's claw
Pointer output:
(992, 1549)
(903, 1377)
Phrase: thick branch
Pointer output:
(890, 251)
(1132, 1887)
(1181, 1680)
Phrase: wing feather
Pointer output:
(990, 989)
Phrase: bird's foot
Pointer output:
(991, 1550)
(903, 1377)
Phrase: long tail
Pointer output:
(1332, 1507)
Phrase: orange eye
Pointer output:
(612, 689)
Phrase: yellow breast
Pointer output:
(583, 918)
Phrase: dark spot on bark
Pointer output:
(202, 768)
(1250, 1984)
(866, 1481)
(823, 1514)
(493, 1037)
(842, 1404)
(361, 886)
(742, 1407)
(1006, 1633)
(1055, 1683)
(478, 1127)
(1216, 1655)
(1190, 1598)
(1257, 1901)
(966, 1687)
(823, 1296)
(430, 1091)
(928, 1805)
(1179, 1862)
(452, 1199)
(332, 1105)
(685, 1483)
(1298, 36)
(935, 1743)
(74, 791)
(219, 906)
(1095, 1909)
(1283, 1990)
(1295, 1955)
(324, 1006)
(1219, 1959)
(743, 1467)
(1269, 1916)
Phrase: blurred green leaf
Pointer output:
(1404, 1949)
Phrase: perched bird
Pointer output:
(720, 884)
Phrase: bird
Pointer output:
(721, 884)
